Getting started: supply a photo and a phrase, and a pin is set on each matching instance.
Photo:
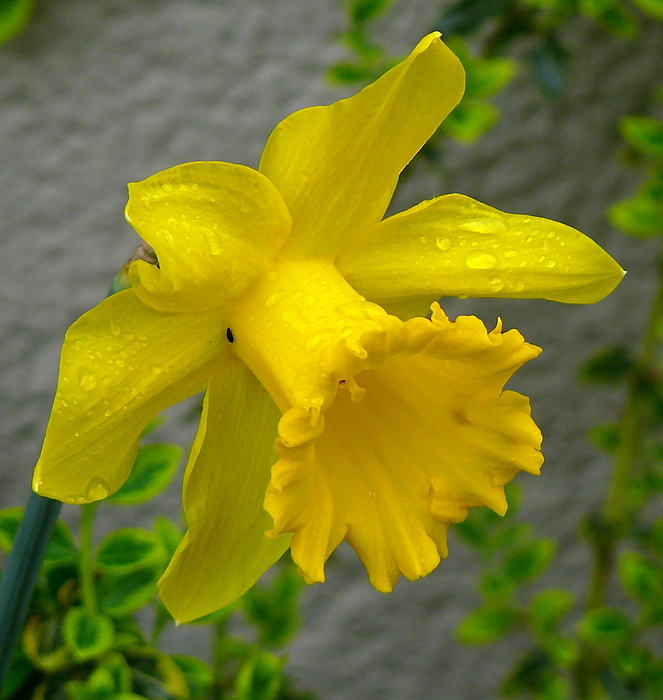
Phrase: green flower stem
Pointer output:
(21, 571)
(86, 561)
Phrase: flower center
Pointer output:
(292, 323)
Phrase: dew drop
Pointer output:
(484, 225)
(495, 285)
(480, 261)
(64, 403)
(443, 243)
(119, 363)
(551, 263)
(156, 370)
(115, 330)
(88, 382)
(519, 286)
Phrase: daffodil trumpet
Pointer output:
(334, 407)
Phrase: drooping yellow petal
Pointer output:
(337, 166)
(432, 435)
(122, 363)
(214, 227)
(456, 246)
(225, 549)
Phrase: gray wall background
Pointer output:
(97, 93)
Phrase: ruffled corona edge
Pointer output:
(409, 429)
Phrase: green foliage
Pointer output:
(153, 470)
(605, 437)
(612, 15)
(528, 561)
(87, 635)
(83, 641)
(645, 134)
(260, 677)
(605, 627)
(14, 16)
(130, 548)
(638, 216)
(487, 624)
(608, 366)
(651, 7)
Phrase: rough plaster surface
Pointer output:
(97, 93)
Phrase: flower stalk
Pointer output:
(21, 571)
(86, 562)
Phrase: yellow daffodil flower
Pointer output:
(333, 409)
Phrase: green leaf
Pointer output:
(535, 675)
(488, 623)
(169, 534)
(548, 608)
(119, 671)
(483, 76)
(346, 73)
(152, 471)
(608, 366)
(526, 562)
(605, 437)
(260, 678)
(467, 16)
(549, 61)
(198, 675)
(361, 11)
(129, 548)
(638, 216)
(651, 7)
(641, 578)
(122, 594)
(14, 16)
(60, 549)
(19, 672)
(605, 627)
(275, 608)
(644, 133)
(469, 120)
(611, 15)
(494, 585)
(87, 635)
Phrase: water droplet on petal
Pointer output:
(484, 225)
(519, 286)
(480, 261)
(443, 243)
(551, 263)
(96, 489)
(495, 285)
(88, 382)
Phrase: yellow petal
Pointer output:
(122, 363)
(456, 246)
(432, 435)
(225, 549)
(337, 166)
(214, 227)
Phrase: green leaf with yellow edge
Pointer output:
(260, 678)
(87, 635)
(61, 547)
(119, 671)
(526, 562)
(605, 627)
(638, 216)
(129, 548)
(644, 133)
(470, 120)
(654, 8)
(487, 624)
(611, 15)
(198, 675)
(160, 676)
(153, 470)
(125, 593)
(14, 16)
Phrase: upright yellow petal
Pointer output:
(122, 363)
(214, 227)
(225, 549)
(456, 246)
(337, 166)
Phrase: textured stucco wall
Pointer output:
(100, 92)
